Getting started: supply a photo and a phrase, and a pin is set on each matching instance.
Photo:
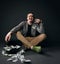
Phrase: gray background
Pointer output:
(12, 12)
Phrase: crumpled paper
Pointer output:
(15, 57)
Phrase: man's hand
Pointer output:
(8, 37)
(38, 21)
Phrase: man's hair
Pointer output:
(31, 13)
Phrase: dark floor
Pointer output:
(50, 55)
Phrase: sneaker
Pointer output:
(36, 48)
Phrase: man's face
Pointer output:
(30, 17)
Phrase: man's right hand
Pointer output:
(8, 37)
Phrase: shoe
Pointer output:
(36, 49)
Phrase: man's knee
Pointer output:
(43, 36)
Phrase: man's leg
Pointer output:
(30, 41)
(38, 39)
(23, 39)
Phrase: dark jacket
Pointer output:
(23, 28)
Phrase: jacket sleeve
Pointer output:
(17, 28)
(40, 28)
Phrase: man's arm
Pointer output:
(13, 30)
(41, 36)
(18, 27)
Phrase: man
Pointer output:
(30, 32)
